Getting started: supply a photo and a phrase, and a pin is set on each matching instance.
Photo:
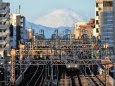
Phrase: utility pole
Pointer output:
(52, 81)
(114, 73)
(13, 54)
(107, 66)
(21, 56)
(106, 75)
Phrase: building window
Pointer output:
(97, 13)
(97, 30)
(99, 8)
(1, 15)
(93, 26)
(0, 23)
(11, 30)
(108, 3)
(96, 4)
(1, 30)
(0, 38)
(97, 21)
(0, 46)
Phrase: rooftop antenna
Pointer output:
(19, 8)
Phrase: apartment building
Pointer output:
(87, 28)
(30, 33)
(4, 28)
(75, 31)
(101, 6)
(82, 28)
(107, 28)
(18, 24)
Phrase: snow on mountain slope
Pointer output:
(59, 18)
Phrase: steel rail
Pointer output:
(57, 75)
(84, 74)
(39, 76)
(33, 76)
(88, 79)
(42, 80)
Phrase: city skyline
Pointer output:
(39, 8)
(57, 42)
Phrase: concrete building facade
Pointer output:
(75, 31)
(107, 28)
(4, 28)
(30, 33)
(101, 6)
(18, 24)
(83, 28)
(107, 24)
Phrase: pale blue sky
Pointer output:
(36, 8)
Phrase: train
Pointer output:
(69, 66)
(72, 67)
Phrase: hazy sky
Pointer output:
(36, 8)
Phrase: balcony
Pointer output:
(5, 38)
(3, 42)
(3, 34)
(5, 11)
(4, 4)
(5, 18)
(4, 26)
(4, 46)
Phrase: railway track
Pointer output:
(62, 76)
(92, 80)
(28, 75)
(69, 78)
(34, 76)
(64, 81)
(100, 81)
(37, 78)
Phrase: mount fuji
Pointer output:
(60, 19)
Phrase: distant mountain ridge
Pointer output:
(60, 19)
(48, 31)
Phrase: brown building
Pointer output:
(87, 28)
(84, 28)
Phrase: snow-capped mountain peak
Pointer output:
(59, 18)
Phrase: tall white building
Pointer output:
(101, 6)
(18, 25)
(4, 28)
